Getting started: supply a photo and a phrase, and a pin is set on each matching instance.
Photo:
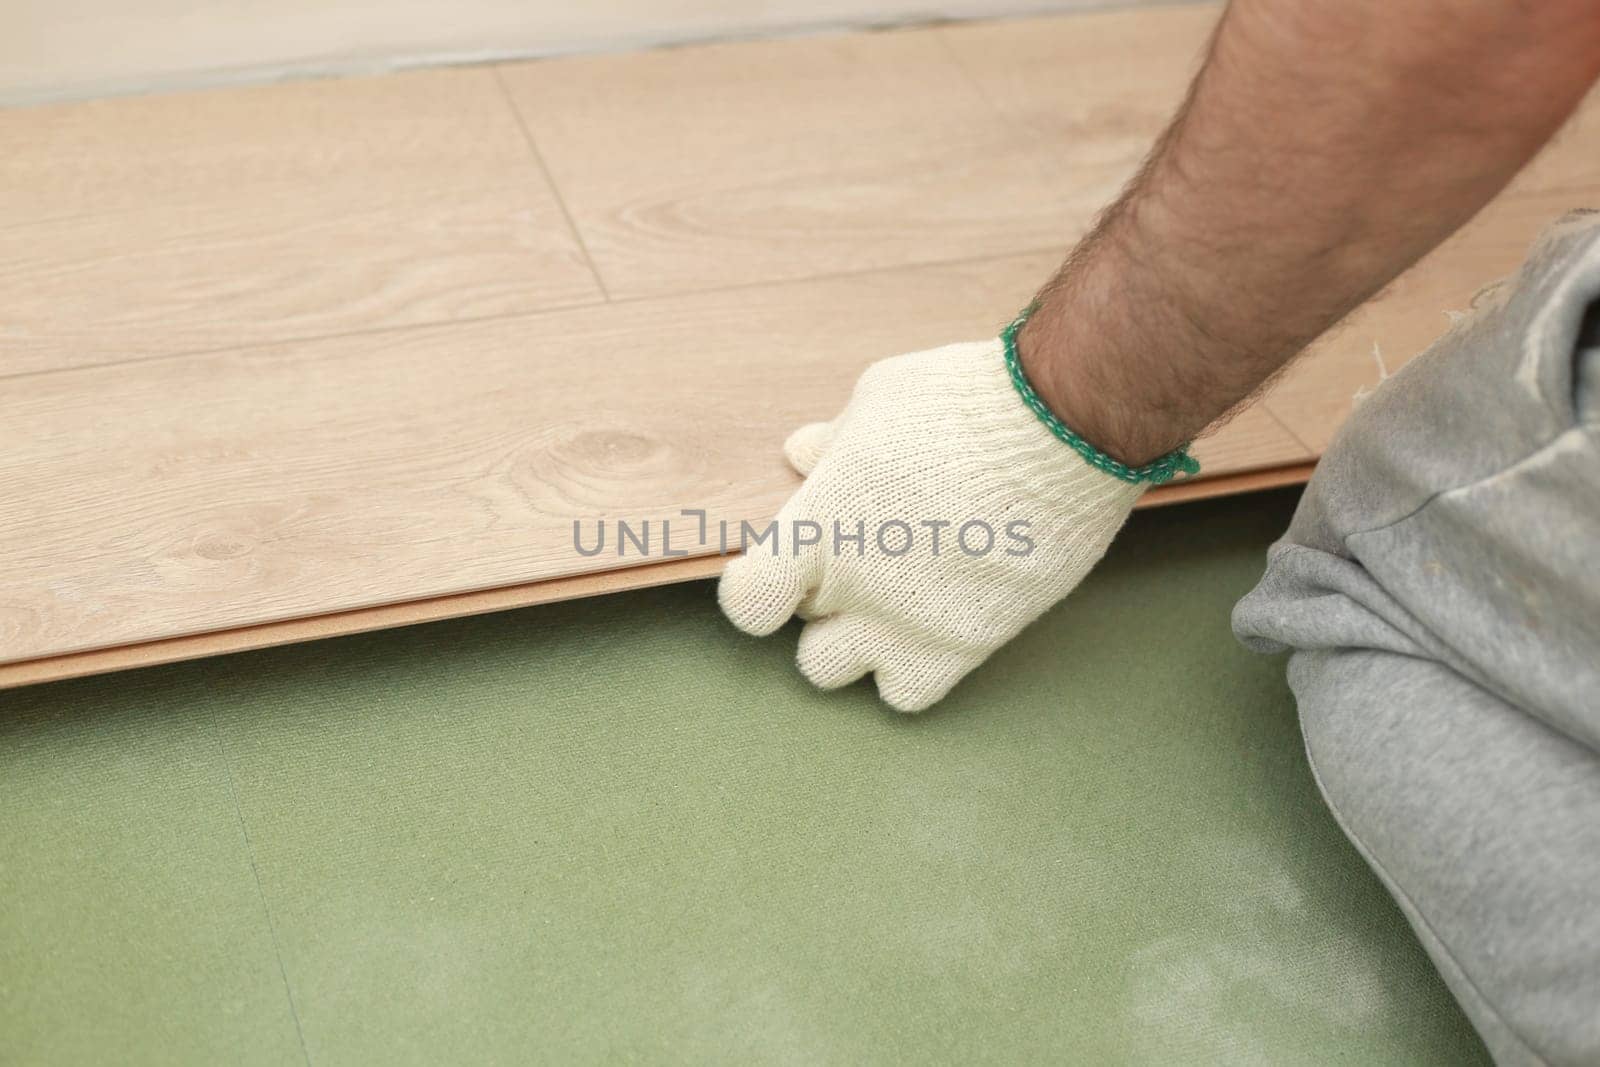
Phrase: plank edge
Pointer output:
(354, 621)
(1252, 481)
(455, 605)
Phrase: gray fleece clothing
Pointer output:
(1440, 589)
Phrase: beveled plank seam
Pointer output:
(255, 875)
(549, 180)
(474, 320)
(1018, 126)
(411, 195)
(1265, 404)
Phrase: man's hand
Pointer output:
(1323, 149)
(940, 516)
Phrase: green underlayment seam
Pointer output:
(255, 875)
(618, 830)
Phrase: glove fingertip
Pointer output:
(916, 685)
(833, 652)
(759, 595)
(805, 447)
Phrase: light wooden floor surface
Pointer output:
(277, 357)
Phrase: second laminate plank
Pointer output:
(170, 281)
(165, 225)
(410, 613)
(693, 168)
(157, 499)
(346, 140)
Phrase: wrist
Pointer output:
(1163, 468)
(1090, 409)
(1092, 349)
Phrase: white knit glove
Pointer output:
(942, 436)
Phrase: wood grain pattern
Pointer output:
(348, 140)
(323, 476)
(735, 163)
(1091, 92)
(167, 281)
(172, 225)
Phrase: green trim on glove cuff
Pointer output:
(1158, 471)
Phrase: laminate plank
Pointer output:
(693, 168)
(1092, 91)
(355, 621)
(413, 612)
(167, 281)
(171, 497)
(166, 225)
(1251, 440)
(345, 140)
(1229, 484)
(1568, 164)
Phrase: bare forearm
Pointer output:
(1323, 149)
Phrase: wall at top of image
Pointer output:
(74, 49)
